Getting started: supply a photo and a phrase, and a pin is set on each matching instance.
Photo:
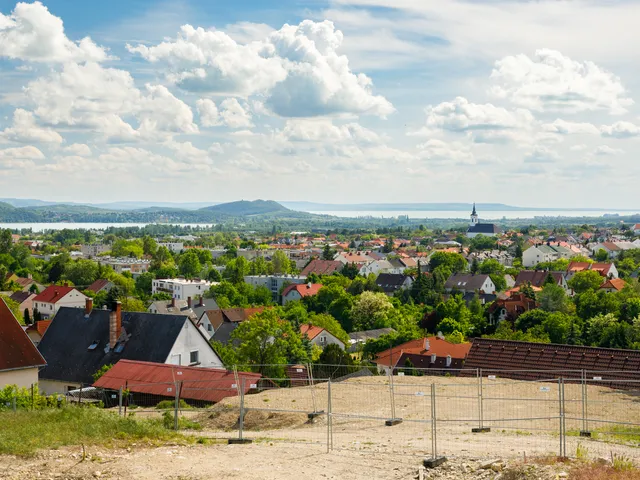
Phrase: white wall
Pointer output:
(330, 340)
(190, 340)
(73, 299)
(23, 377)
(291, 296)
(50, 387)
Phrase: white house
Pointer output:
(319, 336)
(81, 341)
(173, 247)
(275, 283)
(536, 254)
(295, 292)
(181, 288)
(470, 283)
(49, 301)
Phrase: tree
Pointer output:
(81, 273)
(388, 245)
(454, 261)
(330, 324)
(531, 319)
(350, 270)
(144, 283)
(518, 252)
(327, 252)
(266, 342)
(602, 255)
(370, 311)
(6, 241)
(189, 264)
(499, 281)
(334, 355)
(101, 371)
(552, 298)
(14, 307)
(280, 262)
(586, 280)
(27, 317)
(236, 270)
(149, 245)
(474, 265)
(558, 326)
(127, 248)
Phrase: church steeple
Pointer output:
(474, 216)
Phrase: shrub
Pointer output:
(171, 404)
(23, 399)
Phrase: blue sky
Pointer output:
(525, 103)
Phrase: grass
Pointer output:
(25, 432)
(600, 471)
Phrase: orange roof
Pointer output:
(517, 289)
(310, 331)
(53, 294)
(578, 266)
(437, 346)
(304, 290)
(614, 283)
(42, 326)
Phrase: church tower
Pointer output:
(474, 216)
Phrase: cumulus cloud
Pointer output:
(297, 68)
(604, 150)
(26, 130)
(620, 130)
(323, 130)
(551, 81)
(235, 115)
(208, 111)
(440, 152)
(19, 157)
(541, 154)
(32, 33)
(485, 123)
(563, 127)
(78, 149)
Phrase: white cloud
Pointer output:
(160, 111)
(209, 115)
(620, 130)
(323, 130)
(578, 148)
(78, 149)
(297, 68)
(563, 127)
(607, 150)
(234, 115)
(552, 81)
(19, 158)
(440, 152)
(246, 32)
(32, 33)
(541, 154)
(25, 130)
(485, 123)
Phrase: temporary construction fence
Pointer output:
(423, 412)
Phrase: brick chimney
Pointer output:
(173, 302)
(201, 304)
(189, 302)
(88, 306)
(115, 325)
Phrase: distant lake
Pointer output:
(40, 227)
(488, 215)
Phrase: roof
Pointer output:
(16, 348)
(203, 384)
(70, 334)
(21, 297)
(23, 282)
(466, 281)
(508, 355)
(614, 283)
(238, 315)
(321, 267)
(310, 331)
(98, 285)
(484, 228)
(515, 305)
(537, 277)
(436, 346)
(305, 289)
(165, 307)
(365, 335)
(53, 294)
(223, 333)
(390, 282)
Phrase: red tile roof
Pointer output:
(305, 290)
(53, 294)
(98, 285)
(42, 325)
(614, 283)
(16, 348)
(202, 384)
(321, 267)
(437, 346)
(310, 331)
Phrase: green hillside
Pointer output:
(244, 208)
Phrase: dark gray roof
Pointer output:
(390, 282)
(484, 228)
(66, 343)
(467, 282)
(224, 331)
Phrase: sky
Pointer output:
(528, 103)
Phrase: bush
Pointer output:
(171, 404)
(23, 398)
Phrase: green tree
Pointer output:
(350, 270)
(327, 252)
(144, 283)
(371, 310)
(101, 371)
(81, 273)
(491, 266)
(552, 298)
(236, 270)
(189, 264)
(586, 280)
(558, 326)
(149, 245)
(531, 319)
(6, 241)
(14, 307)
(330, 324)
(334, 355)
(281, 263)
(602, 255)
(27, 317)
(454, 261)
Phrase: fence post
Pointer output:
(329, 419)
(120, 402)
(585, 414)
(561, 427)
(80, 395)
(434, 461)
(481, 428)
(32, 397)
(177, 405)
(15, 406)
(313, 387)
(241, 420)
(393, 420)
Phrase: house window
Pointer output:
(433, 358)
(194, 357)
(210, 328)
(323, 340)
(448, 360)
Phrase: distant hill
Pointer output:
(245, 208)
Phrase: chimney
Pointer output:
(173, 302)
(189, 302)
(426, 344)
(115, 325)
(201, 304)
(88, 307)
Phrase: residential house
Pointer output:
(222, 322)
(612, 248)
(19, 358)
(173, 307)
(25, 284)
(36, 330)
(510, 308)
(52, 298)
(636, 229)
(173, 247)
(101, 285)
(429, 352)
(275, 283)
(537, 278)
(536, 254)
(181, 288)
(613, 285)
(79, 342)
(321, 267)
(477, 228)
(94, 249)
(392, 282)
(359, 258)
(377, 267)
(296, 291)
(25, 301)
(358, 339)
(200, 386)
(134, 266)
(470, 283)
(607, 270)
(319, 336)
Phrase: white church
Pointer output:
(477, 228)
